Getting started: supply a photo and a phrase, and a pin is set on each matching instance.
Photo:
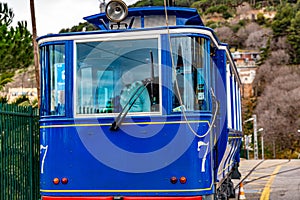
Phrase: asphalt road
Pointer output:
(272, 179)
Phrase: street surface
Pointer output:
(272, 179)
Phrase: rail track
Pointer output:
(264, 182)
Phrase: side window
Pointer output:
(53, 79)
(229, 96)
(43, 64)
(238, 97)
(57, 79)
(233, 111)
(191, 84)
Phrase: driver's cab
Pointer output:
(148, 70)
(111, 75)
(142, 72)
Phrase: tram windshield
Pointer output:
(111, 74)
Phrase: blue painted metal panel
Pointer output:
(166, 63)
(221, 133)
(126, 160)
(69, 60)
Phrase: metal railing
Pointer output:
(19, 153)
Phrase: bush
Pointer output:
(211, 24)
(3, 99)
(261, 19)
(217, 9)
(21, 99)
(221, 9)
(227, 15)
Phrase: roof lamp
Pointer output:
(116, 10)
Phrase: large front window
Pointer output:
(112, 75)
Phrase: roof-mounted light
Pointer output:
(116, 10)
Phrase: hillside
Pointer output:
(23, 78)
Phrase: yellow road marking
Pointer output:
(259, 184)
(260, 173)
(266, 192)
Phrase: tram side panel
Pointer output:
(221, 133)
(227, 141)
(96, 161)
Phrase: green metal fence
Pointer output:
(19, 153)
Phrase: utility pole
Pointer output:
(253, 118)
(274, 149)
(255, 137)
(35, 49)
(247, 145)
(102, 6)
(262, 147)
(262, 142)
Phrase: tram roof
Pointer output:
(184, 16)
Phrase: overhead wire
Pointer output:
(177, 87)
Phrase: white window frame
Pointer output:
(115, 37)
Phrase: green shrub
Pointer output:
(261, 19)
(211, 24)
(221, 9)
(3, 99)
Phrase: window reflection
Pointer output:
(190, 86)
(115, 73)
(53, 74)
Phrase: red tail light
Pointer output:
(64, 180)
(182, 180)
(56, 181)
(173, 179)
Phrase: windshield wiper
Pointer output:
(119, 119)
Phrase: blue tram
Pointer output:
(147, 107)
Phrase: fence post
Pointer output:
(31, 150)
(1, 154)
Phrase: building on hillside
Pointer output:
(252, 15)
(14, 93)
(246, 65)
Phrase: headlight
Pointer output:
(116, 10)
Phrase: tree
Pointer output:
(261, 20)
(15, 43)
(6, 14)
(244, 32)
(287, 23)
(278, 106)
(293, 38)
(201, 5)
(258, 39)
(279, 57)
(86, 26)
(183, 3)
(282, 19)
(5, 78)
(225, 34)
(221, 9)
